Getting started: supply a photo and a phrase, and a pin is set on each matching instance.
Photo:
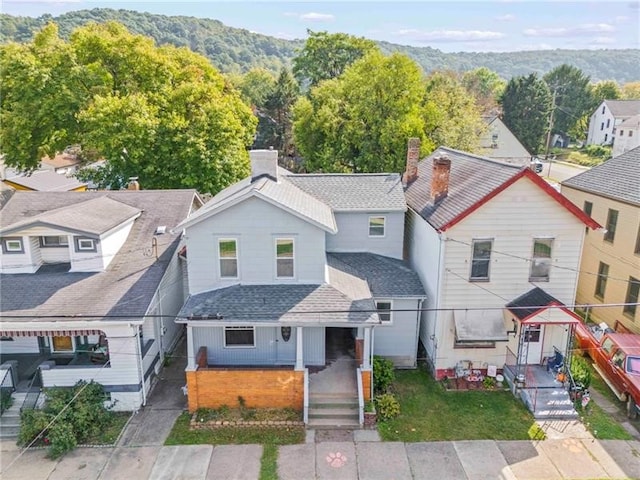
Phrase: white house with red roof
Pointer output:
(498, 251)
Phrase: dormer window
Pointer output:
(12, 245)
(54, 241)
(84, 244)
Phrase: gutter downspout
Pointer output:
(438, 302)
(418, 317)
(140, 365)
(371, 362)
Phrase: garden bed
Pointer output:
(245, 417)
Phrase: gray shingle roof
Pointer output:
(471, 179)
(298, 304)
(386, 277)
(345, 192)
(128, 284)
(78, 217)
(623, 108)
(631, 122)
(617, 178)
(47, 181)
(529, 303)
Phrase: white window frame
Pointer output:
(384, 226)
(6, 242)
(384, 312)
(83, 249)
(236, 258)
(473, 244)
(243, 327)
(293, 256)
(533, 278)
(73, 345)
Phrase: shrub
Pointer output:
(489, 382)
(387, 407)
(79, 413)
(5, 400)
(580, 371)
(583, 159)
(598, 151)
(383, 375)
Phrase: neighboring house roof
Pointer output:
(623, 108)
(78, 217)
(631, 122)
(535, 301)
(616, 178)
(297, 304)
(62, 160)
(386, 277)
(127, 285)
(473, 181)
(46, 181)
(282, 193)
(354, 192)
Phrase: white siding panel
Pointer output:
(55, 254)
(397, 341)
(256, 224)
(264, 353)
(353, 234)
(20, 345)
(20, 262)
(313, 345)
(112, 243)
(87, 261)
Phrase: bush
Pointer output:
(598, 151)
(387, 407)
(489, 382)
(383, 375)
(580, 371)
(84, 417)
(584, 159)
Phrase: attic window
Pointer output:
(12, 245)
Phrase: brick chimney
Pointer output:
(413, 156)
(440, 178)
(133, 184)
(264, 163)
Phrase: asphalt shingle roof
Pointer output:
(617, 178)
(47, 181)
(278, 303)
(354, 192)
(470, 180)
(529, 303)
(78, 217)
(623, 108)
(386, 277)
(127, 285)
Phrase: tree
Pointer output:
(605, 90)
(142, 108)
(570, 88)
(255, 86)
(631, 91)
(454, 120)
(360, 121)
(326, 55)
(278, 105)
(526, 105)
(486, 86)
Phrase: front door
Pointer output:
(531, 348)
(286, 350)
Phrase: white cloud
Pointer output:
(317, 17)
(621, 19)
(578, 30)
(603, 41)
(449, 35)
(506, 18)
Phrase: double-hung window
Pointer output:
(612, 222)
(541, 260)
(601, 281)
(54, 241)
(285, 257)
(587, 209)
(376, 226)
(633, 292)
(480, 260)
(384, 310)
(228, 257)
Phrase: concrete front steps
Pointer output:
(10, 418)
(549, 404)
(333, 412)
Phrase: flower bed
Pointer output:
(245, 417)
(196, 423)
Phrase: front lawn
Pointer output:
(429, 413)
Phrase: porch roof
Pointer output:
(528, 305)
(293, 304)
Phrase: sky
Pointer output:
(450, 26)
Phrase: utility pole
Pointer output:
(553, 109)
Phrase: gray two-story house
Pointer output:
(292, 272)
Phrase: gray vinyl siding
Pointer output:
(313, 345)
(398, 341)
(353, 234)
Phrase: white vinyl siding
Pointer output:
(353, 234)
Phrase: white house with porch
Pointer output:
(486, 237)
(295, 281)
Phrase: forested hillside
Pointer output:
(237, 50)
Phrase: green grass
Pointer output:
(429, 413)
(109, 435)
(182, 435)
(602, 425)
(269, 462)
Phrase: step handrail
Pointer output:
(305, 407)
(360, 397)
(31, 398)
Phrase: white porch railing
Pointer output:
(305, 410)
(360, 397)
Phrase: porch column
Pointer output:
(191, 352)
(299, 353)
(366, 351)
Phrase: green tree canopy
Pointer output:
(360, 122)
(326, 55)
(631, 91)
(486, 86)
(162, 114)
(571, 90)
(279, 106)
(526, 105)
(605, 90)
